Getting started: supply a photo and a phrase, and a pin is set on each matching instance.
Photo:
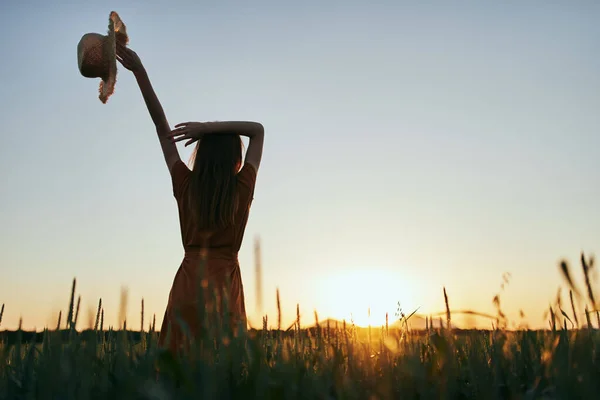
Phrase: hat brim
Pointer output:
(116, 31)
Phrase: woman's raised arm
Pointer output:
(130, 60)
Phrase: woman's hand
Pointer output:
(129, 58)
(193, 131)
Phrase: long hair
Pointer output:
(212, 192)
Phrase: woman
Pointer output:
(213, 199)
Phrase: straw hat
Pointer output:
(96, 55)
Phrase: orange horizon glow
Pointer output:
(341, 307)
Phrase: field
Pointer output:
(329, 361)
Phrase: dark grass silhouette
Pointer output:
(332, 359)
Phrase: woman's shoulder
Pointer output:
(179, 177)
(247, 175)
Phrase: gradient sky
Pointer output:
(409, 146)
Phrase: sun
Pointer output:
(363, 296)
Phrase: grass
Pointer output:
(324, 362)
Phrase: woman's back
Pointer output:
(222, 243)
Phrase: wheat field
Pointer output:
(328, 361)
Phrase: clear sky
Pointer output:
(409, 146)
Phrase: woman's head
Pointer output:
(216, 161)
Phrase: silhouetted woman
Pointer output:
(213, 199)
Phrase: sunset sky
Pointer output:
(408, 147)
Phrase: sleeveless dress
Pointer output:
(221, 269)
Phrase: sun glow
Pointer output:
(363, 296)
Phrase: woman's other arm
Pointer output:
(194, 131)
